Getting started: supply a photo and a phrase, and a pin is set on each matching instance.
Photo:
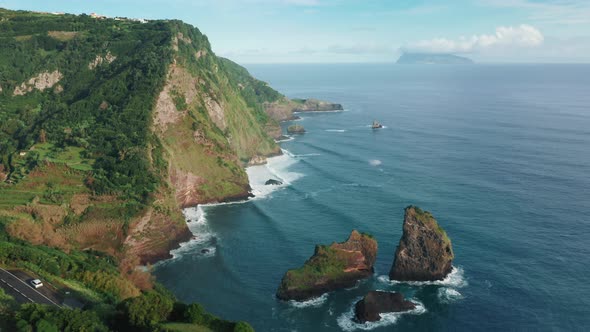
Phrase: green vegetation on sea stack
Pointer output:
(338, 265)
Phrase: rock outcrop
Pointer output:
(282, 110)
(424, 252)
(377, 302)
(44, 80)
(273, 182)
(314, 105)
(296, 129)
(333, 267)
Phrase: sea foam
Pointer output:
(315, 302)
(203, 238)
(347, 322)
(448, 295)
(455, 279)
(275, 168)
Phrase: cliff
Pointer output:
(107, 129)
(424, 252)
(333, 267)
(110, 127)
(433, 59)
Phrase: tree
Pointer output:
(148, 310)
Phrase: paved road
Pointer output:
(21, 290)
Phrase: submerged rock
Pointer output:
(333, 267)
(296, 129)
(273, 182)
(424, 252)
(378, 302)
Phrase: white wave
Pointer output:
(275, 168)
(286, 139)
(447, 295)
(375, 162)
(347, 322)
(454, 279)
(313, 112)
(315, 302)
(336, 130)
(203, 239)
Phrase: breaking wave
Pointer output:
(448, 295)
(276, 168)
(455, 279)
(375, 162)
(315, 302)
(204, 241)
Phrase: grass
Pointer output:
(327, 263)
(70, 156)
(35, 186)
(184, 327)
(63, 35)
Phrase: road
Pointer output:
(21, 290)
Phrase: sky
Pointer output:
(341, 31)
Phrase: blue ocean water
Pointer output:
(500, 154)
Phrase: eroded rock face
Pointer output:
(377, 302)
(333, 267)
(44, 80)
(99, 60)
(424, 252)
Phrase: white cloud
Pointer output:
(553, 11)
(505, 37)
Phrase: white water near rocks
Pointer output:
(347, 322)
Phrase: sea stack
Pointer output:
(424, 252)
(337, 266)
(369, 308)
(296, 129)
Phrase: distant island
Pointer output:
(433, 59)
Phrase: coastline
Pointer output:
(200, 239)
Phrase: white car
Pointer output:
(36, 283)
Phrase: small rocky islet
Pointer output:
(333, 267)
(296, 129)
(369, 308)
(424, 253)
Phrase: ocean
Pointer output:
(500, 154)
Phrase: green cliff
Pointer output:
(107, 129)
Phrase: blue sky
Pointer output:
(297, 31)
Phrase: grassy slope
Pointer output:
(68, 153)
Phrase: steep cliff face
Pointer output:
(117, 125)
(424, 252)
(333, 267)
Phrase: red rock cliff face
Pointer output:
(424, 252)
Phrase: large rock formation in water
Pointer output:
(296, 129)
(424, 252)
(333, 267)
(369, 308)
(314, 105)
